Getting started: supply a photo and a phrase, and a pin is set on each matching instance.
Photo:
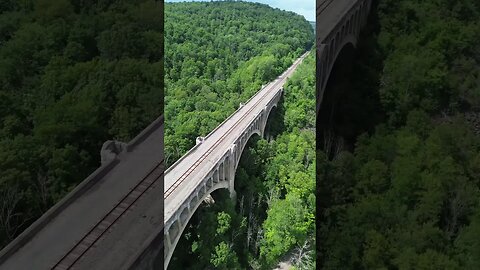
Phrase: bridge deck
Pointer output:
(187, 173)
(328, 14)
(45, 248)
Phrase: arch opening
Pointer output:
(275, 123)
(249, 178)
(246, 162)
(351, 104)
(201, 223)
(337, 86)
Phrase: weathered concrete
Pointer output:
(338, 24)
(47, 240)
(212, 163)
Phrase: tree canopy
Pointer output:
(407, 195)
(73, 74)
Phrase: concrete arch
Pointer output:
(325, 67)
(242, 147)
(268, 117)
(222, 177)
(180, 226)
(350, 40)
(257, 128)
(343, 32)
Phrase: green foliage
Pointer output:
(224, 221)
(300, 97)
(288, 224)
(431, 55)
(208, 241)
(72, 75)
(290, 171)
(224, 258)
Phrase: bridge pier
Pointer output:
(221, 176)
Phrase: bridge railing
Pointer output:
(211, 132)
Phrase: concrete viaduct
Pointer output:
(212, 163)
(338, 25)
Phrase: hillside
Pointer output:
(218, 54)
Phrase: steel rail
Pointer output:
(102, 226)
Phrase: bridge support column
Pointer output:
(231, 174)
(263, 122)
(168, 246)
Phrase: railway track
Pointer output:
(102, 226)
(182, 178)
(323, 5)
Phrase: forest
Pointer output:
(73, 74)
(404, 191)
(234, 48)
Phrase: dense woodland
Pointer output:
(73, 74)
(218, 54)
(406, 195)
